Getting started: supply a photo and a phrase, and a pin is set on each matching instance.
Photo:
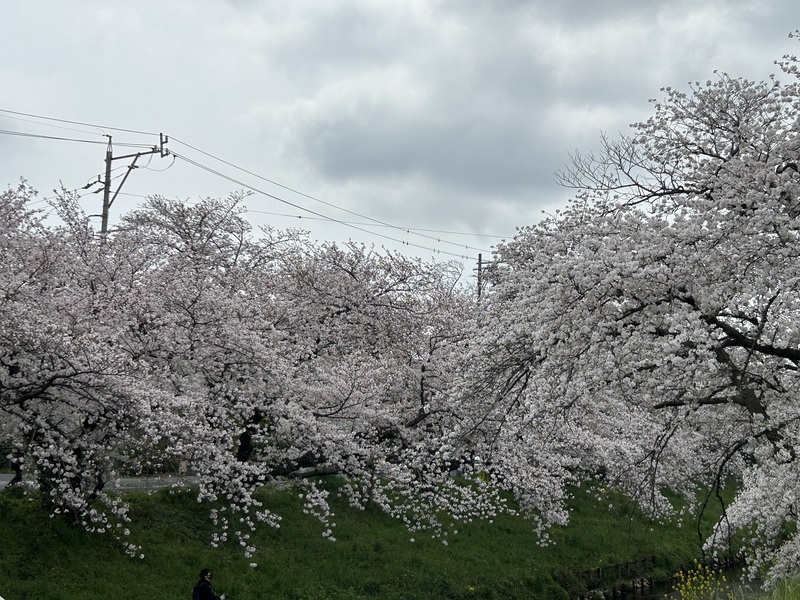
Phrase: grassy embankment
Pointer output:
(45, 559)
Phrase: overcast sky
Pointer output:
(426, 120)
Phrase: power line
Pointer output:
(149, 168)
(64, 139)
(297, 206)
(412, 229)
(327, 219)
(54, 126)
(409, 230)
(372, 221)
(48, 137)
(14, 112)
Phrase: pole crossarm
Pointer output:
(108, 200)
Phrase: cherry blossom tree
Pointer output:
(67, 391)
(379, 339)
(183, 337)
(304, 359)
(647, 335)
(649, 332)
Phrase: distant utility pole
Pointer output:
(108, 199)
(480, 274)
(485, 270)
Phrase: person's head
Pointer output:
(205, 574)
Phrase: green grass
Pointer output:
(785, 590)
(43, 558)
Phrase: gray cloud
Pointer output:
(465, 152)
(443, 114)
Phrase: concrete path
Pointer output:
(132, 483)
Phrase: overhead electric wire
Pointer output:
(149, 168)
(373, 222)
(295, 216)
(14, 112)
(66, 139)
(81, 191)
(315, 199)
(264, 212)
(49, 137)
(51, 125)
(98, 178)
(297, 206)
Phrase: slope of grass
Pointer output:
(43, 558)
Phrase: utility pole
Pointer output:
(108, 199)
(106, 190)
(480, 273)
(484, 270)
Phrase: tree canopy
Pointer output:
(184, 338)
(651, 330)
(647, 335)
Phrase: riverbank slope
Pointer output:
(373, 556)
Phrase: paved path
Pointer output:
(132, 483)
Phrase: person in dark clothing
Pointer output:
(203, 589)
